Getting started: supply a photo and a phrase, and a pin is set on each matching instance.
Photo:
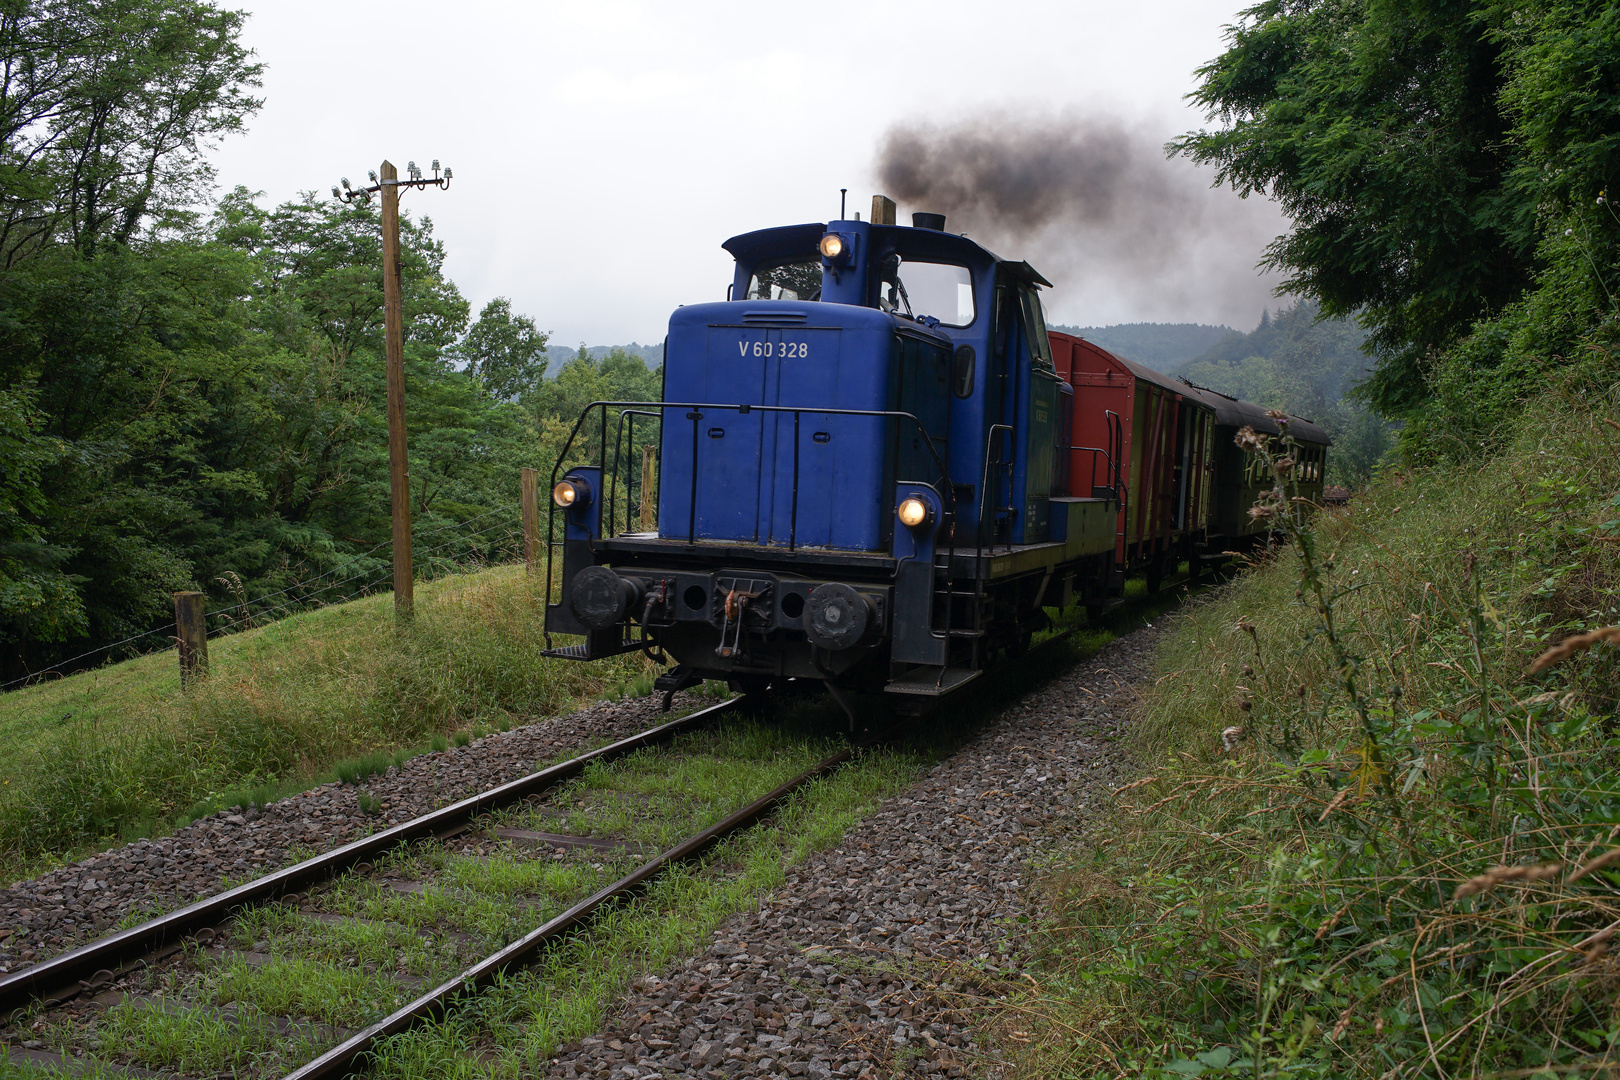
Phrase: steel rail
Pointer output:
(342, 1059)
(65, 975)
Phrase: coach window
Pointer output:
(939, 290)
(786, 281)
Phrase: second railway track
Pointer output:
(312, 970)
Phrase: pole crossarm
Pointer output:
(413, 179)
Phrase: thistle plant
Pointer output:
(1285, 511)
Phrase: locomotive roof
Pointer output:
(918, 243)
(1231, 412)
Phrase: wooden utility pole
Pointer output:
(399, 465)
(531, 518)
(388, 185)
(191, 634)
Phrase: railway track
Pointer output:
(202, 960)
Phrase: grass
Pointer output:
(197, 1041)
(660, 798)
(1370, 840)
(338, 692)
(486, 893)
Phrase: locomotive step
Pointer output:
(930, 681)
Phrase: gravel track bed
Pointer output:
(860, 965)
(57, 911)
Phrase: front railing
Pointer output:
(623, 454)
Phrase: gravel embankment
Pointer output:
(77, 903)
(837, 974)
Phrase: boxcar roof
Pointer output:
(1137, 371)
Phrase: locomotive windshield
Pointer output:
(786, 281)
(941, 290)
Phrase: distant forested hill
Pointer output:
(1293, 362)
(1158, 345)
(651, 355)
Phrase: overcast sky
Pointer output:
(603, 151)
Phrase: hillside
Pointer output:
(1375, 814)
(1295, 362)
(651, 355)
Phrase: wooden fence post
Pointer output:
(648, 502)
(191, 631)
(531, 518)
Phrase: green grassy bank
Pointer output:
(122, 750)
(1406, 863)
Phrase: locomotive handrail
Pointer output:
(694, 412)
(984, 483)
(630, 444)
(1113, 466)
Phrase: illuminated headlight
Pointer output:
(570, 493)
(913, 513)
(832, 246)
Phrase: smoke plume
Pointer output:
(1094, 204)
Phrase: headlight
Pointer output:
(571, 493)
(832, 246)
(913, 513)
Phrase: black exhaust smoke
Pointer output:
(1097, 206)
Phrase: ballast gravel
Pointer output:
(867, 962)
(85, 900)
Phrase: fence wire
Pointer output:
(499, 536)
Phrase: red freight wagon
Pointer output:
(1144, 438)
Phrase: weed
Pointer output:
(356, 770)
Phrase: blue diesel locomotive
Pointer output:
(864, 474)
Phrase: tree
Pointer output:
(504, 352)
(106, 110)
(1378, 127)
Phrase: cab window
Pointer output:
(786, 281)
(1040, 346)
(942, 291)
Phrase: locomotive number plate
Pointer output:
(789, 349)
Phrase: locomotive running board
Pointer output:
(931, 681)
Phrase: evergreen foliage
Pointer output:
(1445, 166)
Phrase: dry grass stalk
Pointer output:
(1493, 877)
(1593, 948)
(1573, 644)
(1338, 801)
(1608, 858)
(1135, 784)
